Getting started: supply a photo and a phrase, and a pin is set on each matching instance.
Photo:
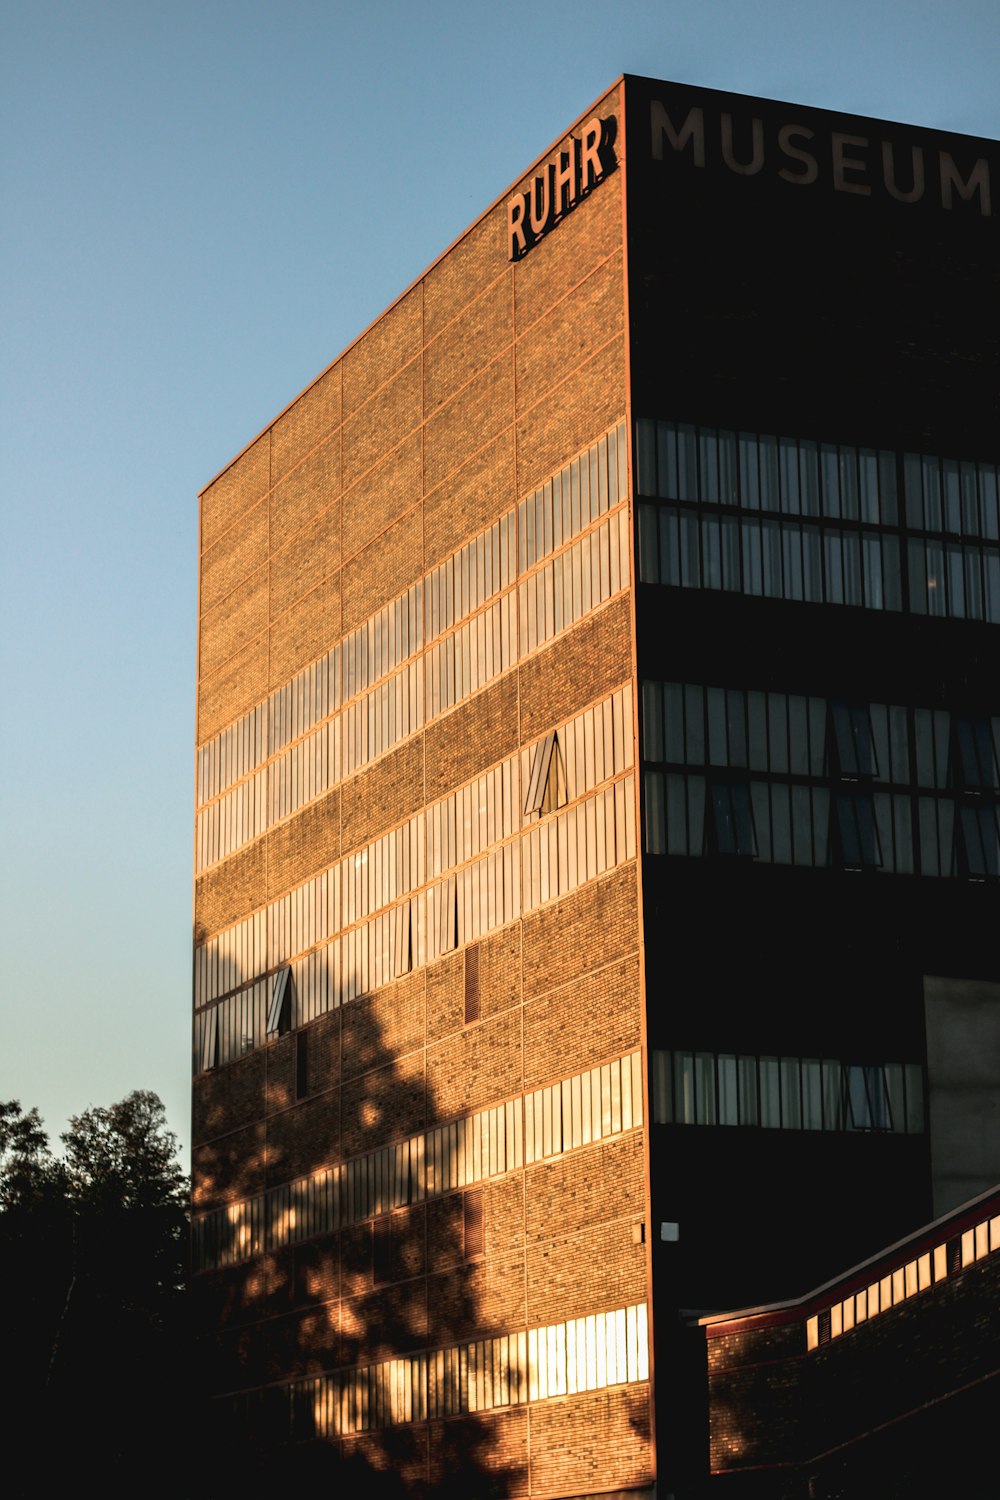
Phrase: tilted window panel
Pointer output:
(279, 1008)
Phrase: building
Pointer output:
(597, 845)
(881, 1383)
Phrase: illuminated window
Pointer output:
(538, 776)
(210, 1040)
(402, 949)
(278, 1014)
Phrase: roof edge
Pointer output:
(500, 197)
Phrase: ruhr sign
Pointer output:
(564, 182)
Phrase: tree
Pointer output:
(124, 1157)
(26, 1164)
(93, 1250)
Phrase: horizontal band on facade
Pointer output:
(564, 844)
(602, 1101)
(903, 1282)
(565, 590)
(589, 1353)
(851, 784)
(792, 518)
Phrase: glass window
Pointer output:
(732, 819)
(852, 741)
(748, 474)
(859, 846)
(728, 1098)
(812, 1094)
(770, 1093)
(791, 1104)
(747, 1068)
(981, 838)
(976, 760)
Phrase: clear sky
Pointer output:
(202, 204)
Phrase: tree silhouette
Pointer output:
(93, 1248)
(389, 1285)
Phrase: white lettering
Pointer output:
(916, 191)
(978, 181)
(785, 135)
(692, 130)
(842, 163)
(745, 169)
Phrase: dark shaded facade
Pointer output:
(883, 1382)
(598, 776)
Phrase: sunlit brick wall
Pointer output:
(474, 389)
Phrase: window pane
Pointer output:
(770, 1093)
(728, 1091)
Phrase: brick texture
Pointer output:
(475, 387)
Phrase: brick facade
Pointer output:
(478, 385)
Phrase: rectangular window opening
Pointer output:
(472, 983)
(382, 1249)
(473, 1228)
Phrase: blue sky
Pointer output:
(203, 203)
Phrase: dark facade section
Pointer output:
(883, 1383)
(814, 385)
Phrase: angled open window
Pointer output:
(975, 759)
(857, 833)
(546, 777)
(402, 951)
(865, 1098)
(448, 915)
(981, 839)
(852, 745)
(731, 829)
(279, 1010)
(210, 1040)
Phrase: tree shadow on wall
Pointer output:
(398, 1277)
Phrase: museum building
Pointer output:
(596, 848)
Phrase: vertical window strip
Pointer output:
(602, 1101)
